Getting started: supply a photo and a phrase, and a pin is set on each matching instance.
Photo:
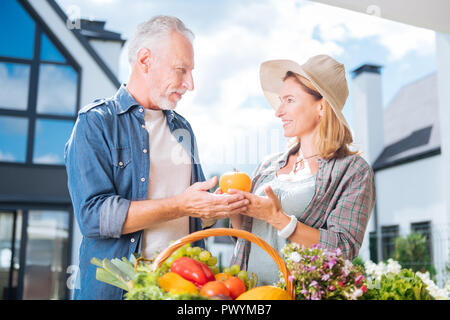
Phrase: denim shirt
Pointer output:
(108, 166)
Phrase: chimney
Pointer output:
(368, 111)
(106, 43)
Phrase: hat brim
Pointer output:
(272, 73)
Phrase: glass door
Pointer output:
(47, 248)
(10, 224)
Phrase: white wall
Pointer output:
(110, 52)
(414, 192)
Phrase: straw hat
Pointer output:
(325, 73)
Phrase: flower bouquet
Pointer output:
(320, 274)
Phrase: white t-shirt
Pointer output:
(170, 175)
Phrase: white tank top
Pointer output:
(170, 175)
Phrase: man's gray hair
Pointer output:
(151, 33)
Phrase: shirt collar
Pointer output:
(125, 99)
(126, 102)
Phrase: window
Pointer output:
(13, 138)
(373, 246)
(15, 79)
(17, 30)
(39, 95)
(46, 252)
(388, 235)
(425, 229)
(57, 92)
(47, 146)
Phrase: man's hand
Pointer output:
(197, 202)
(266, 208)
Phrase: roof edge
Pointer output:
(419, 156)
(85, 43)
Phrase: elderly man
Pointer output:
(132, 163)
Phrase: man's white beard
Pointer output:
(165, 104)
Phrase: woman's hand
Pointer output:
(197, 202)
(267, 208)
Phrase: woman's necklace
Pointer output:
(300, 163)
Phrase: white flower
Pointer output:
(433, 289)
(357, 293)
(393, 266)
(295, 257)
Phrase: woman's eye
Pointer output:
(289, 100)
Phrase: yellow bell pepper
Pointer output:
(175, 284)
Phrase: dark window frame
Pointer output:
(388, 236)
(424, 228)
(31, 113)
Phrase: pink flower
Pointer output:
(359, 279)
(290, 278)
(364, 289)
(325, 277)
(314, 258)
(313, 283)
(332, 288)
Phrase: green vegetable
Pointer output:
(404, 285)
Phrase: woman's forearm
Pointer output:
(236, 221)
(303, 234)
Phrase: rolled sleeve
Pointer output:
(100, 212)
(346, 224)
(113, 213)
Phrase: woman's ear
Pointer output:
(321, 107)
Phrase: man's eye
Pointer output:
(182, 70)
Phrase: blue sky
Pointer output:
(227, 110)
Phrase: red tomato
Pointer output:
(214, 288)
(236, 286)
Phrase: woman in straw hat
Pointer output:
(318, 191)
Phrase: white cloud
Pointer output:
(7, 157)
(48, 159)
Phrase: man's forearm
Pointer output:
(142, 214)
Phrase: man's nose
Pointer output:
(188, 82)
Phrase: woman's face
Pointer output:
(299, 111)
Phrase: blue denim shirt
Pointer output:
(107, 169)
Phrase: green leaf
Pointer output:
(97, 262)
(109, 266)
(125, 268)
(107, 277)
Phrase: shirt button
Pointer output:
(120, 163)
(143, 126)
(141, 110)
(144, 151)
(132, 240)
(143, 179)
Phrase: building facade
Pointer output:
(403, 144)
(49, 67)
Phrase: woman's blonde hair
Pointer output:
(333, 138)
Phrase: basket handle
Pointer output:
(214, 232)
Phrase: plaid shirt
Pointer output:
(340, 209)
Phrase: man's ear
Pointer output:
(144, 59)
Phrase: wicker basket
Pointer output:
(159, 260)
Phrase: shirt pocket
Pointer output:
(121, 157)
